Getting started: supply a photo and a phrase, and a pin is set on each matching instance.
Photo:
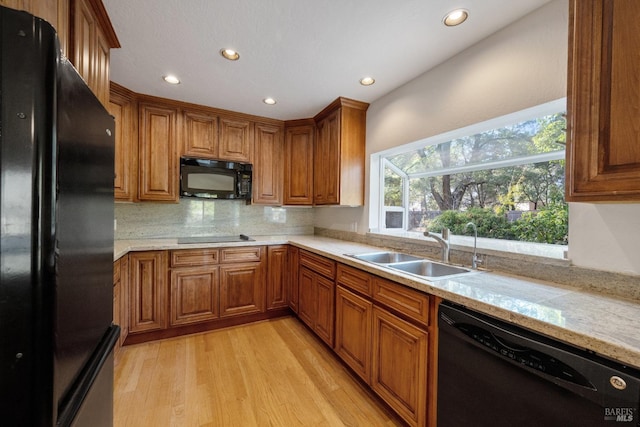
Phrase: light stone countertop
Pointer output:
(606, 325)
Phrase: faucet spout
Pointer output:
(475, 260)
(444, 242)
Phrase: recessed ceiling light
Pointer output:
(455, 17)
(269, 101)
(171, 79)
(230, 54)
(367, 81)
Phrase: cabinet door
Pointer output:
(267, 165)
(122, 108)
(158, 176)
(325, 309)
(298, 165)
(200, 135)
(100, 74)
(399, 366)
(125, 306)
(117, 299)
(277, 265)
(235, 140)
(194, 295)
(294, 287)
(147, 283)
(327, 161)
(353, 332)
(603, 135)
(307, 296)
(241, 289)
(83, 39)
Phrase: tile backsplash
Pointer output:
(194, 217)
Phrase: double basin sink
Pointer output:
(411, 264)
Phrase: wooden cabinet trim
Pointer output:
(406, 301)
(354, 279)
(242, 254)
(194, 257)
(318, 263)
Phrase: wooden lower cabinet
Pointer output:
(277, 277)
(399, 366)
(353, 331)
(325, 312)
(306, 296)
(241, 289)
(293, 289)
(194, 295)
(148, 291)
(117, 300)
(316, 303)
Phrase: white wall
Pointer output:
(521, 66)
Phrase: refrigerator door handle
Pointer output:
(69, 407)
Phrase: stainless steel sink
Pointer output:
(428, 269)
(385, 257)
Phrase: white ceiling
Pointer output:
(303, 53)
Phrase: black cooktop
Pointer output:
(215, 239)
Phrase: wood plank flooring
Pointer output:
(271, 373)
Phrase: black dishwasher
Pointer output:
(494, 374)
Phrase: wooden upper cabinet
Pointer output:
(236, 136)
(603, 130)
(55, 12)
(298, 163)
(122, 107)
(158, 175)
(267, 161)
(92, 37)
(200, 134)
(339, 154)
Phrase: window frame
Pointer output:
(378, 161)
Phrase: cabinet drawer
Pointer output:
(354, 279)
(193, 257)
(319, 264)
(241, 254)
(404, 300)
(116, 271)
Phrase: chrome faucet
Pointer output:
(475, 260)
(444, 242)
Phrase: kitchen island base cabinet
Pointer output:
(399, 366)
(148, 287)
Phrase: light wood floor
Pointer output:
(272, 373)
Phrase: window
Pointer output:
(506, 175)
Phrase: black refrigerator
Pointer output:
(56, 249)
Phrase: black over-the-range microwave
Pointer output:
(215, 179)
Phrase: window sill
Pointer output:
(537, 252)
